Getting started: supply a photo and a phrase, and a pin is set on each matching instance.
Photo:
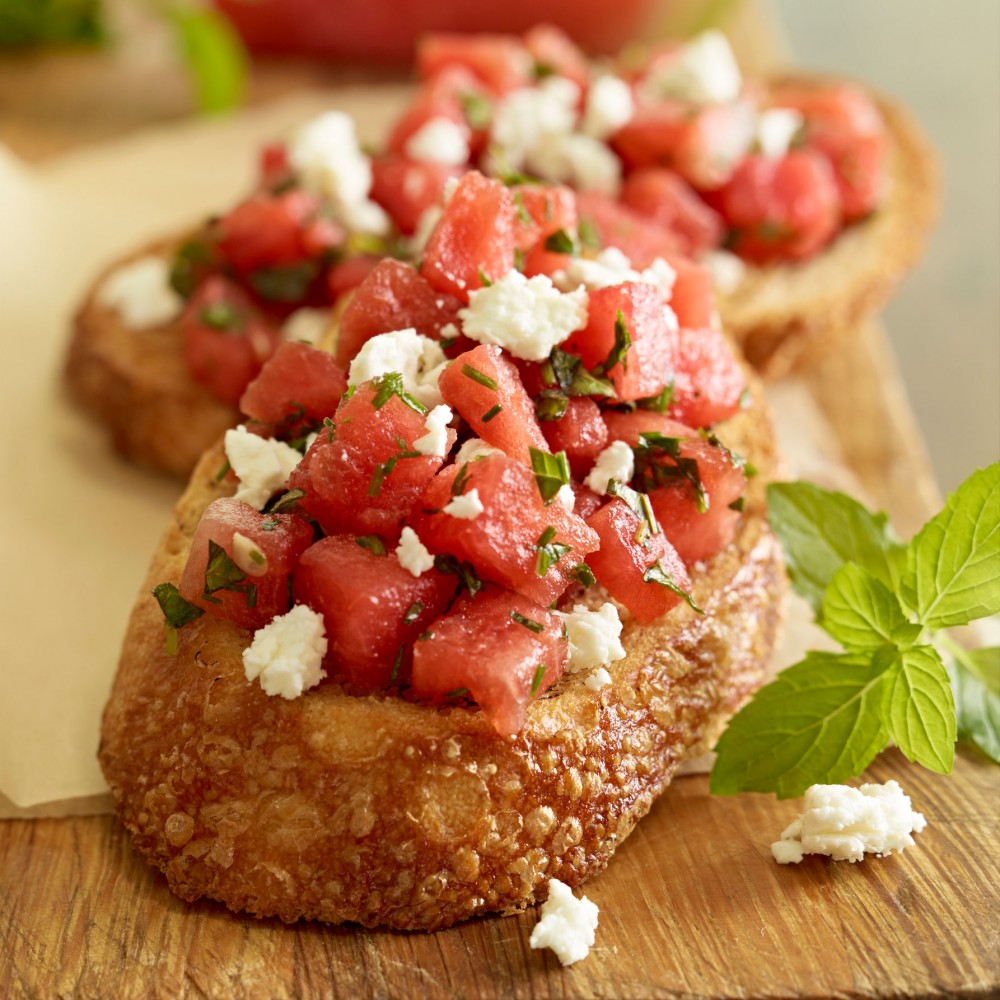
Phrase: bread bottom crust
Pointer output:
(385, 812)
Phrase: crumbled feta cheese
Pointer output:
(597, 678)
(609, 106)
(727, 270)
(262, 465)
(776, 128)
(524, 117)
(846, 823)
(612, 267)
(417, 358)
(287, 654)
(307, 325)
(567, 924)
(579, 160)
(140, 293)
(439, 140)
(328, 160)
(617, 461)
(435, 441)
(426, 225)
(466, 506)
(248, 556)
(594, 636)
(475, 448)
(704, 71)
(526, 316)
(412, 553)
(566, 497)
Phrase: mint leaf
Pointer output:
(921, 709)
(818, 721)
(953, 564)
(977, 704)
(214, 54)
(820, 530)
(862, 613)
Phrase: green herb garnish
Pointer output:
(825, 718)
(177, 612)
(221, 316)
(561, 241)
(657, 574)
(390, 384)
(284, 282)
(584, 575)
(549, 551)
(465, 572)
(528, 623)
(537, 682)
(551, 472)
(286, 502)
(477, 110)
(373, 543)
(658, 460)
(477, 376)
(491, 413)
(413, 612)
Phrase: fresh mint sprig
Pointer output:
(824, 719)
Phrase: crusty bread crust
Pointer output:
(385, 812)
(137, 383)
(786, 316)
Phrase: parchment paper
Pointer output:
(78, 524)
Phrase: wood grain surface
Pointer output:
(691, 906)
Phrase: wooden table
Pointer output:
(692, 905)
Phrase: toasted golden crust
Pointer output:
(389, 813)
(137, 383)
(786, 316)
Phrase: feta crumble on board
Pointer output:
(567, 924)
(525, 316)
(262, 465)
(140, 293)
(435, 441)
(467, 506)
(286, 655)
(846, 823)
(412, 553)
(594, 636)
(439, 140)
(328, 160)
(417, 358)
(617, 462)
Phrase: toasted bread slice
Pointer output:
(785, 316)
(137, 383)
(386, 812)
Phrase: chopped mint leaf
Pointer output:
(528, 623)
(952, 572)
(536, 682)
(390, 384)
(618, 355)
(177, 612)
(221, 573)
(413, 612)
(661, 402)
(657, 574)
(658, 461)
(286, 502)
(588, 233)
(561, 241)
(477, 376)
(491, 413)
(373, 543)
(477, 110)
(584, 575)
(284, 282)
(221, 316)
(551, 472)
(465, 571)
(551, 405)
(549, 551)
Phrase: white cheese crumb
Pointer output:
(597, 678)
(262, 465)
(426, 225)
(581, 161)
(467, 506)
(612, 267)
(526, 116)
(727, 270)
(567, 924)
(435, 441)
(703, 71)
(417, 358)
(140, 293)
(439, 140)
(475, 448)
(287, 654)
(609, 106)
(412, 553)
(776, 128)
(248, 556)
(846, 823)
(526, 316)
(566, 497)
(594, 636)
(328, 160)
(617, 461)
(307, 325)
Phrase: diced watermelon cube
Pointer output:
(503, 542)
(501, 649)
(474, 240)
(637, 573)
(542, 210)
(692, 297)
(499, 61)
(364, 476)
(485, 387)
(406, 189)
(246, 578)
(616, 225)
(708, 380)
(580, 432)
(373, 608)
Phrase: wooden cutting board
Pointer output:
(692, 905)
